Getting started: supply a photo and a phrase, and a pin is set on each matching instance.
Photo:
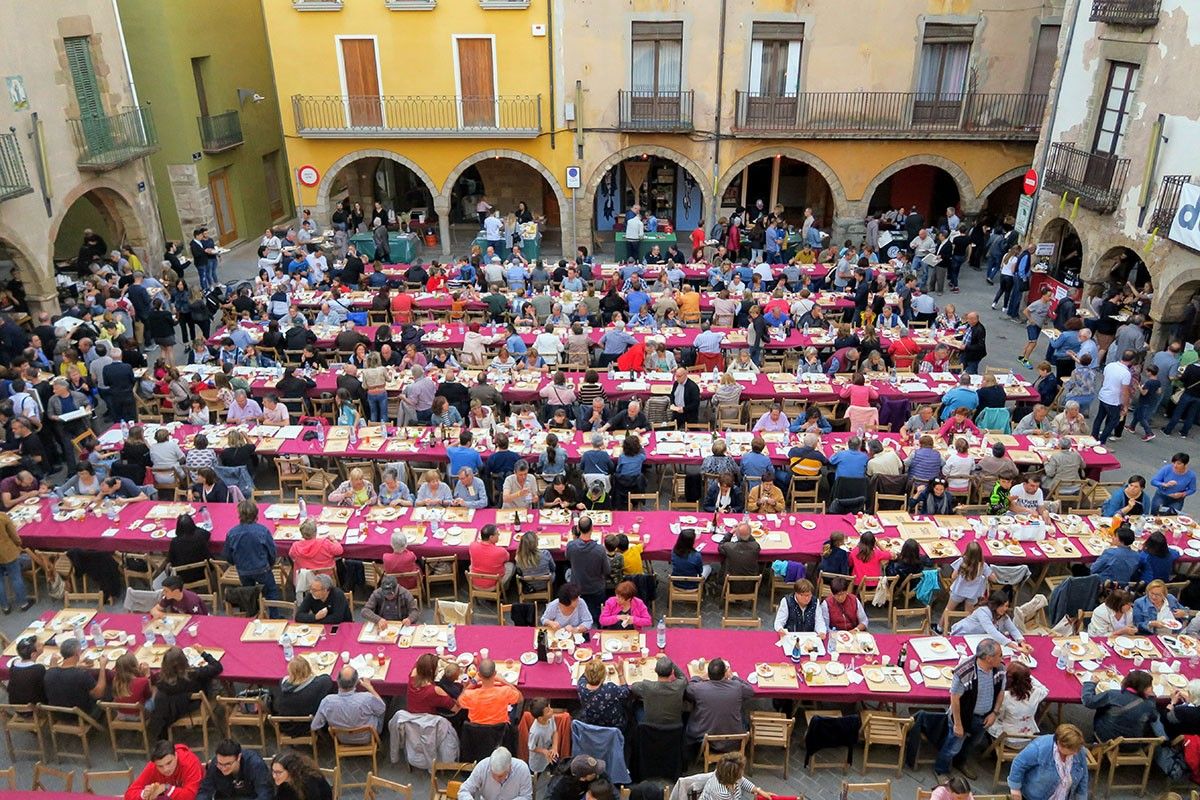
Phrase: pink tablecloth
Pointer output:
(263, 662)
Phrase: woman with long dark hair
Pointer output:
(174, 686)
(298, 778)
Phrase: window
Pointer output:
(1114, 113)
(775, 58)
(1043, 59)
(198, 69)
(945, 51)
(657, 57)
(83, 76)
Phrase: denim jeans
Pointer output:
(1161, 501)
(12, 571)
(1141, 416)
(956, 263)
(756, 352)
(1186, 410)
(971, 367)
(1015, 296)
(1107, 417)
(377, 406)
(953, 745)
(208, 274)
(1006, 288)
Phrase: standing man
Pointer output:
(974, 344)
(1037, 316)
(493, 231)
(121, 382)
(250, 548)
(1113, 396)
(685, 399)
(235, 773)
(976, 696)
(201, 254)
(635, 231)
(590, 566)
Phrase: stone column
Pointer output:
(441, 205)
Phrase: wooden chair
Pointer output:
(202, 585)
(375, 785)
(1001, 747)
(247, 713)
(823, 583)
(333, 776)
(1129, 752)
(151, 565)
(911, 620)
(770, 729)
(890, 502)
(199, 718)
(70, 722)
(526, 593)
(494, 594)
(709, 756)
(882, 789)
(446, 777)
(342, 750)
(881, 730)
(684, 590)
(28, 719)
(9, 776)
(286, 607)
(291, 477)
(432, 577)
(649, 501)
(283, 739)
(41, 771)
(807, 508)
(84, 600)
(317, 484)
(121, 779)
(813, 762)
(741, 589)
(127, 718)
(446, 612)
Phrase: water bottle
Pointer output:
(892, 376)
(612, 372)
(1062, 658)
(321, 436)
(796, 655)
(112, 512)
(289, 652)
(97, 635)
(991, 531)
(353, 435)
(169, 637)
(832, 645)
(124, 429)
(451, 640)
(54, 504)
(303, 508)
(78, 634)
(661, 637)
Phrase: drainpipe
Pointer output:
(1041, 165)
(550, 62)
(716, 174)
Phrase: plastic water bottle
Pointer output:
(169, 637)
(832, 645)
(354, 435)
(97, 635)
(321, 436)
(1062, 658)
(289, 652)
(612, 371)
(78, 633)
(451, 640)
(661, 637)
(124, 429)
(303, 508)
(54, 504)
(991, 531)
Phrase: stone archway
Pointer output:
(803, 156)
(442, 199)
(966, 190)
(1000, 180)
(324, 189)
(39, 283)
(120, 209)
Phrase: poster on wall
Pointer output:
(1185, 228)
(688, 203)
(608, 200)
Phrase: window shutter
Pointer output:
(83, 76)
(778, 31)
(656, 31)
(949, 33)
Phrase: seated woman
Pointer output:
(798, 611)
(433, 491)
(1182, 715)
(444, 414)
(686, 561)
(400, 561)
(935, 498)
(1017, 715)
(841, 611)
(1157, 560)
(209, 488)
(625, 610)
(356, 491)
(959, 423)
(175, 684)
(299, 695)
(909, 561)
(559, 494)
(1131, 711)
(729, 781)
(867, 561)
(601, 702)
(1157, 611)
(724, 496)
(393, 491)
(1113, 617)
(568, 612)
(992, 620)
(535, 567)
(313, 553)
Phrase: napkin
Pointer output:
(1090, 665)
(917, 678)
(1159, 668)
(110, 532)
(855, 678)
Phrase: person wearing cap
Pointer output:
(499, 777)
(580, 774)
(391, 602)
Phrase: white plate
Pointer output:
(1142, 643)
(1126, 642)
(465, 659)
(931, 672)
(366, 671)
(1192, 551)
(752, 679)
(562, 634)
(808, 525)
(1173, 624)
(613, 645)
(764, 670)
(835, 668)
(529, 659)
(1100, 450)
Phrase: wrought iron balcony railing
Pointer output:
(220, 132)
(1136, 13)
(107, 141)
(656, 111)
(334, 116)
(1097, 179)
(14, 180)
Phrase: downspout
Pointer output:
(716, 174)
(550, 61)
(1041, 165)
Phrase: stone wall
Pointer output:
(193, 202)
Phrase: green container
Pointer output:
(401, 247)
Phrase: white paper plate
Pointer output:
(1126, 642)
(613, 645)
(835, 668)
(931, 672)
(1100, 450)
(752, 679)
(529, 659)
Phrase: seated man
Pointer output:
(235, 773)
(1118, 563)
(498, 777)
(324, 603)
(662, 698)
(350, 708)
(1028, 498)
(73, 686)
(173, 771)
(718, 703)
(1174, 483)
(631, 419)
(177, 600)
(391, 602)
(488, 699)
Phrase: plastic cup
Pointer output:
(483, 653)
(193, 629)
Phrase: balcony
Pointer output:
(432, 117)
(220, 132)
(1168, 203)
(1135, 13)
(656, 111)
(108, 141)
(1097, 179)
(14, 181)
(890, 115)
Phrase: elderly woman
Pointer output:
(356, 491)
(992, 620)
(166, 458)
(469, 491)
(729, 781)
(400, 561)
(568, 611)
(1157, 611)
(393, 491)
(480, 416)
(1036, 421)
(1071, 421)
(602, 703)
(810, 364)
(1082, 384)
(719, 463)
(433, 492)
(728, 391)
(313, 553)
(625, 610)
(1051, 767)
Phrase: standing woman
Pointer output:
(181, 300)
(298, 778)
(374, 378)
(199, 311)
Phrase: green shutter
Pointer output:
(93, 122)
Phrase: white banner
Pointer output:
(1185, 228)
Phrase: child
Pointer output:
(834, 558)
(867, 560)
(1150, 395)
(968, 581)
(616, 561)
(631, 555)
(449, 682)
(543, 737)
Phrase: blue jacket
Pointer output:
(1116, 501)
(605, 743)
(250, 549)
(1117, 564)
(1034, 775)
(1144, 612)
(1156, 568)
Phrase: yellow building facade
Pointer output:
(690, 107)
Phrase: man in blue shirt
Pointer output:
(774, 242)
(464, 455)
(1118, 564)
(614, 343)
(756, 463)
(251, 550)
(961, 396)
(636, 296)
(1174, 482)
(851, 462)
(516, 275)
(708, 348)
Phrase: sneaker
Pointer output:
(954, 289)
(993, 304)
(968, 773)
(1149, 437)
(6, 609)
(28, 604)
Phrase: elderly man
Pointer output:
(1064, 464)
(70, 685)
(469, 492)
(741, 553)
(774, 421)
(615, 341)
(350, 708)
(662, 698)
(488, 699)
(418, 395)
(17, 488)
(1071, 421)
(976, 697)
(498, 777)
(718, 704)
(594, 417)
(324, 603)
(685, 399)
(1036, 421)
(243, 409)
(961, 396)
(921, 422)
(391, 602)
(974, 344)
(631, 419)
(65, 402)
(235, 773)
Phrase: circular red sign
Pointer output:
(308, 175)
(1031, 182)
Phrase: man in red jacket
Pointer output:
(174, 771)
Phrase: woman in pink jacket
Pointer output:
(315, 553)
(859, 392)
(625, 609)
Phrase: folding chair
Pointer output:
(741, 589)
(881, 730)
(712, 749)
(127, 718)
(28, 719)
(41, 771)
(375, 785)
(282, 739)
(770, 729)
(342, 749)
(882, 789)
(71, 722)
(684, 590)
(495, 594)
(121, 778)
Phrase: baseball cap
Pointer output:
(582, 766)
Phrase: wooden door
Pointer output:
(476, 81)
(362, 83)
(218, 186)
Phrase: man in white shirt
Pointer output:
(493, 231)
(883, 461)
(493, 271)
(1113, 396)
(922, 246)
(1027, 498)
(634, 231)
(952, 220)
(318, 265)
(548, 346)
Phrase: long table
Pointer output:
(263, 662)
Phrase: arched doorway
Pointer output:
(1121, 266)
(1177, 308)
(505, 178)
(16, 276)
(1001, 196)
(1066, 260)
(928, 183)
(371, 176)
(794, 182)
(657, 182)
(106, 212)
